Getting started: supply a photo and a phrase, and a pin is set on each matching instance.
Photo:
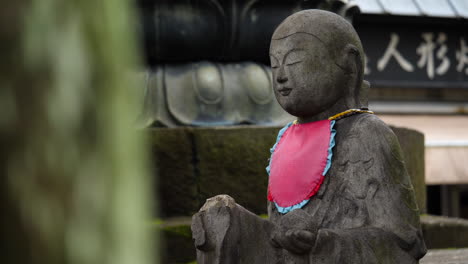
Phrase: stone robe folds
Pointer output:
(364, 212)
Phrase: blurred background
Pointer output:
(120, 118)
(75, 178)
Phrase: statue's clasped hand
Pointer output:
(297, 241)
(295, 232)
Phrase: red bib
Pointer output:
(299, 163)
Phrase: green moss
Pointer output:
(157, 222)
(177, 244)
(173, 156)
(182, 230)
(232, 161)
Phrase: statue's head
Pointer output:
(317, 64)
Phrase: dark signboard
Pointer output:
(415, 55)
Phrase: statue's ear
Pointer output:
(351, 62)
(350, 59)
(364, 94)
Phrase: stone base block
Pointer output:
(444, 232)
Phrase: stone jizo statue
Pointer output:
(338, 188)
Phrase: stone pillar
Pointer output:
(412, 145)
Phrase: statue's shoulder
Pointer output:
(367, 142)
(368, 133)
(369, 124)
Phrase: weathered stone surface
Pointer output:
(444, 232)
(232, 161)
(412, 145)
(449, 256)
(174, 159)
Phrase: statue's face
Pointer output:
(306, 79)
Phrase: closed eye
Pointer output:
(274, 62)
(294, 56)
(293, 62)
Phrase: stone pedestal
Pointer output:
(412, 144)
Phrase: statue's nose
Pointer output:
(281, 77)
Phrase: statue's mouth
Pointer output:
(285, 91)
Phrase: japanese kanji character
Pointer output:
(426, 52)
(392, 51)
(462, 56)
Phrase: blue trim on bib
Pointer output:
(330, 146)
(278, 138)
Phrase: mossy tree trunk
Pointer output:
(74, 183)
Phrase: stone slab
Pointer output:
(173, 158)
(447, 256)
(412, 145)
(232, 161)
(444, 232)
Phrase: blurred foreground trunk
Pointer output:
(74, 182)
